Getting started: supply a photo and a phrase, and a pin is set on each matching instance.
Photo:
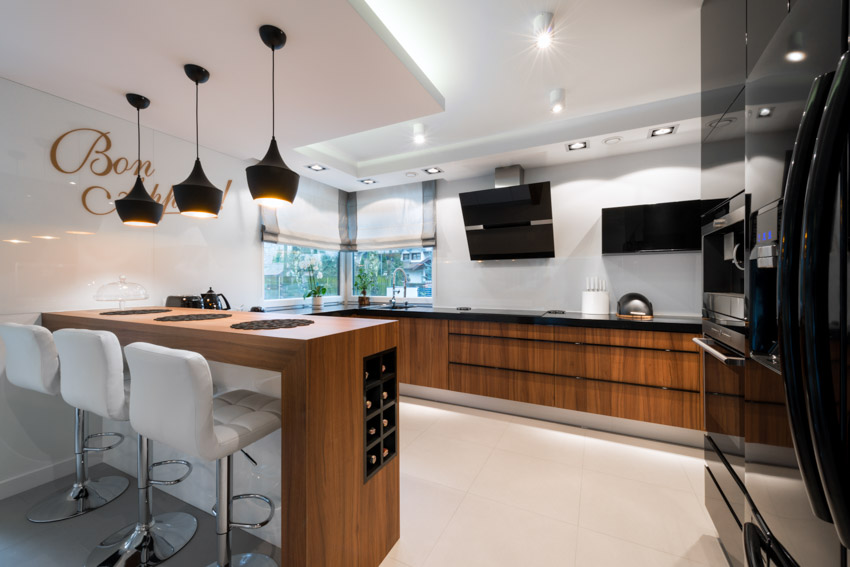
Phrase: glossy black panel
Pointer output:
(660, 227)
(763, 18)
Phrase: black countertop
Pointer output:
(527, 317)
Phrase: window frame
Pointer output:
(344, 261)
(385, 299)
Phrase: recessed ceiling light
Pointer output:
(612, 140)
(418, 133)
(72, 182)
(410, 174)
(765, 112)
(795, 56)
(367, 181)
(664, 131)
(543, 29)
(721, 122)
(432, 170)
(557, 100)
(577, 146)
(317, 167)
(47, 237)
(77, 232)
(16, 241)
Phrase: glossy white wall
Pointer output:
(672, 282)
(181, 255)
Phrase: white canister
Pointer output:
(594, 302)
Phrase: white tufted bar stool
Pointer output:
(187, 417)
(32, 362)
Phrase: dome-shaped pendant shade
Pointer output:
(196, 196)
(271, 182)
(138, 208)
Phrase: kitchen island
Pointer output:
(337, 509)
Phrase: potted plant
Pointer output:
(316, 290)
(362, 281)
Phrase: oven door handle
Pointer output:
(708, 346)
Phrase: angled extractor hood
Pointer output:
(511, 221)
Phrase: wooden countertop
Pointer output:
(322, 326)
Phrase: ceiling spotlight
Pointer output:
(72, 182)
(765, 112)
(410, 174)
(557, 100)
(662, 131)
(577, 146)
(795, 56)
(543, 29)
(317, 167)
(47, 237)
(721, 122)
(418, 133)
(432, 170)
(16, 241)
(612, 140)
(367, 181)
(83, 232)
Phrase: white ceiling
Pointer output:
(355, 75)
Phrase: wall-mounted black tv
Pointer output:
(509, 222)
(663, 227)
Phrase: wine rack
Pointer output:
(380, 411)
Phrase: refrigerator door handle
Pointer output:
(818, 216)
(788, 269)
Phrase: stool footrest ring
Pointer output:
(186, 464)
(258, 524)
(107, 447)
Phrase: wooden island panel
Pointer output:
(329, 516)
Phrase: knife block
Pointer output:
(594, 303)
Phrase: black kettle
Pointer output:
(211, 300)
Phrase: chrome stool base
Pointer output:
(248, 560)
(78, 499)
(137, 545)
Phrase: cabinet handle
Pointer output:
(708, 347)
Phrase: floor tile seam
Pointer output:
(442, 484)
(689, 492)
(578, 525)
(452, 517)
(533, 512)
(664, 551)
(527, 456)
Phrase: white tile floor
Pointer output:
(492, 490)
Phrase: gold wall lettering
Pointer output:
(96, 199)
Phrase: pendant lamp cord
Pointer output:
(272, 93)
(139, 142)
(197, 152)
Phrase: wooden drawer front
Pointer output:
(617, 337)
(654, 405)
(423, 352)
(506, 384)
(511, 354)
(635, 366)
(539, 332)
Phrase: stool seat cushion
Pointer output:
(31, 358)
(93, 372)
(172, 402)
(242, 417)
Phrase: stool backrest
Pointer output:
(171, 398)
(92, 372)
(31, 358)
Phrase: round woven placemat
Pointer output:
(135, 311)
(201, 317)
(267, 324)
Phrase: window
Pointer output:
(416, 262)
(286, 270)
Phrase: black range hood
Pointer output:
(509, 222)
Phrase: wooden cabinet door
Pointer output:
(423, 352)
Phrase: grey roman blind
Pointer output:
(393, 217)
(313, 220)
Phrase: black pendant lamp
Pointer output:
(196, 196)
(271, 182)
(137, 208)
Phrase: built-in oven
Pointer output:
(724, 347)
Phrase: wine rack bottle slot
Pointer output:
(380, 392)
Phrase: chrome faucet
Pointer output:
(404, 275)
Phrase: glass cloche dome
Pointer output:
(121, 291)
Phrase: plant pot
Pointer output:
(317, 301)
(363, 301)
